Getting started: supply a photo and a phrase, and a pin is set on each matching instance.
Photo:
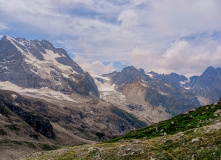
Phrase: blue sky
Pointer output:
(104, 35)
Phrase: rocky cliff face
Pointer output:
(151, 97)
(165, 91)
(171, 78)
(205, 87)
(17, 106)
(208, 86)
(37, 64)
(34, 124)
(175, 93)
(129, 75)
(37, 69)
(51, 117)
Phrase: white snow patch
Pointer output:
(188, 88)
(168, 85)
(43, 68)
(162, 93)
(44, 93)
(48, 65)
(105, 87)
(150, 75)
(183, 82)
(107, 90)
(14, 96)
(50, 55)
(143, 83)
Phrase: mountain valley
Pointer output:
(48, 100)
(192, 135)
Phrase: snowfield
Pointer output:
(43, 93)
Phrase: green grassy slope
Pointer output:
(197, 118)
(194, 135)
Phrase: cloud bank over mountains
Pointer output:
(161, 35)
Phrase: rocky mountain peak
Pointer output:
(46, 42)
(36, 64)
(128, 75)
(207, 86)
(176, 77)
(210, 71)
(130, 69)
(210, 68)
(4, 38)
(207, 77)
(172, 78)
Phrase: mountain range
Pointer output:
(48, 100)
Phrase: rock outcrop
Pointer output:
(37, 64)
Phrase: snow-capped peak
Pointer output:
(36, 64)
(149, 74)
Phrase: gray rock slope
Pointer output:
(32, 124)
(37, 64)
(175, 93)
(159, 90)
(207, 87)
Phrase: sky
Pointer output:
(164, 36)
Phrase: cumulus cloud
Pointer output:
(181, 57)
(111, 30)
(95, 67)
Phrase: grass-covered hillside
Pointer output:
(194, 135)
(193, 119)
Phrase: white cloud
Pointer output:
(95, 67)
(109, 30)
(181, 57)
(77, 1)
(128, 18)
(145, 59)
(3, 26)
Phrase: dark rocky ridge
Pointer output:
(40, 124)
(33, 124)
(205, 87)
(132, 121)
(172, 78)
(128, 75)
(161, 90)
(14, 67)
(39, 114)
(208, 85)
